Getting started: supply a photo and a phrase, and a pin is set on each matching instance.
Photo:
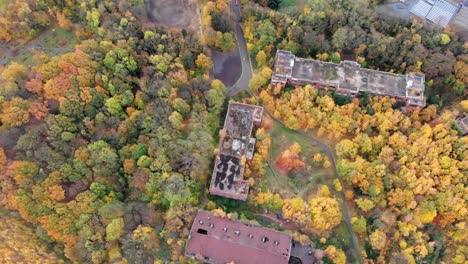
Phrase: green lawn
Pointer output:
(296, 183)
(303, 184)
(287, 3)
(50, 41)
(341, 236)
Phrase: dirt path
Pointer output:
(330, 154)
(300, 4)
(281, 222)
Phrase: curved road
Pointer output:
(243, 84)
(243, 81)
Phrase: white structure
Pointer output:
(437, 11)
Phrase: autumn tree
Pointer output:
(290, 159)
(295, 209)
(261, 58)
(14, 72)
(336, 255)
(14, 112)
(114, 229)
(3, 159)
(325, 213)
(378, 239)
(204, 62)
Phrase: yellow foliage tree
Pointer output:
(365, 204)
(269, 200)
(294, 208)
(261, 58)
(426, 212)
(204, 62)
(378, 239)
(337, 185)
(295, 149)
(325, 213)
(336, 255)
(56, 193)
(15, 113)
(3, 159)
(318, 158)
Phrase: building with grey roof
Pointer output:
(440, 12)
(348, 78)
(236, 147)
(462, 124)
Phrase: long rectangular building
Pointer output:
(348, 78)
(218, 240)
(440, 12)
(236, 146)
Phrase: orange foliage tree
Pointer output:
(289, 159)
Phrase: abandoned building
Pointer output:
(440, 12)
(462, 124)
(214, 239)
(236, 147)
(348, 78)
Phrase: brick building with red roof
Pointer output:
(214, 239)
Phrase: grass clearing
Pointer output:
(53, 42)
(305, 183)
(342, 237)
(288, 3)
(319, 5)
(53, 37)
(295, 183)
(267, 222)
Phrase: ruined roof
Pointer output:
(348, 77)
(462, 124)
(220, 240)
(235, 145)
(437, 11)
(283, 66)
(240, 119)
(227, 179)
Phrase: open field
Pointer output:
(173, 13)
(294, 183)
(287, 3)
(304, 183)
(394, 9)
(53, 42)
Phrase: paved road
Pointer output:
(246, 75)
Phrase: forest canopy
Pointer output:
(109, 125)
(106, 148)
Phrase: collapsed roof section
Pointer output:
(440, 12)
(348, 78)
(236, 146)
(462, 124)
